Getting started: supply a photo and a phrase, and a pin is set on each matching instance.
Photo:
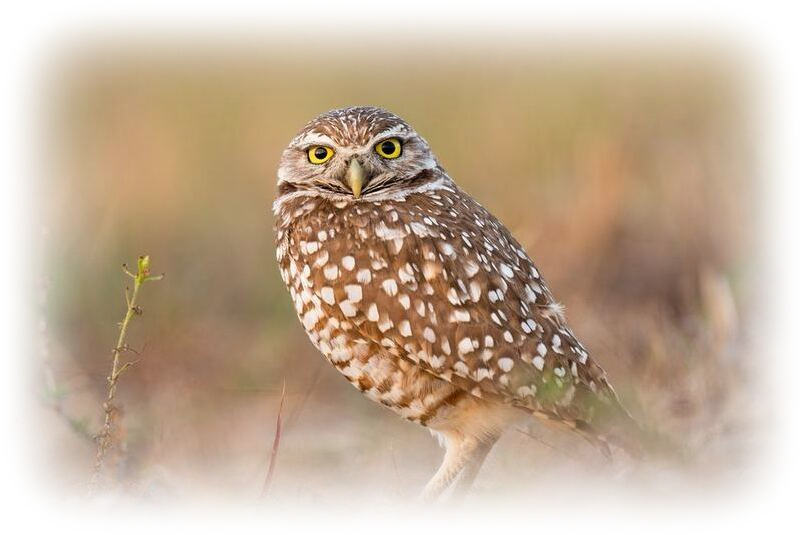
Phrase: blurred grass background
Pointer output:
(628, 176)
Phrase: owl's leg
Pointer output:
(460, 451)
(471, 469)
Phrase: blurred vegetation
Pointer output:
(628, 177)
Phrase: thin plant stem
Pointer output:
(104, 437)
(536, 438)
(276, 442)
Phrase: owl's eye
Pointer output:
(319, 154)
(389, 148)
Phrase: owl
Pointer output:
(423, 300)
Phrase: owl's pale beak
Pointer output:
(355, 177)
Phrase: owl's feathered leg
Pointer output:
(459, 451)
(471, 469)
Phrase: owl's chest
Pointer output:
(381, 374)
(335, 262)
(334, 270)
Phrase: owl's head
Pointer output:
(356, 153)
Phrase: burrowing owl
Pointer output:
(421, 298)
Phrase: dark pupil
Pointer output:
(388, 147)
(321, 153)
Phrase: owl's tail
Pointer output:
(613, 427)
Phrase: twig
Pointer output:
(543, 442)
(296, 412)
(104, 437)
(276, 441)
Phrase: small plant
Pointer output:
(104, 438)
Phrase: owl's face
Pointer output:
(356, 153)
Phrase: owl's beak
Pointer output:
(355, 177)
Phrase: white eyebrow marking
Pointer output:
(312, 138)
(316, 138)
(390, 132)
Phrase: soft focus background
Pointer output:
(627, 175)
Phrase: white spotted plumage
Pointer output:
(439, 314)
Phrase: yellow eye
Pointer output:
(319, 154)
(389, 148)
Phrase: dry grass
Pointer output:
(628, 180)
(271, 465)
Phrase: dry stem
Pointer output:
(276, 441)
(536, 438)
(104, 437)
(296, 412)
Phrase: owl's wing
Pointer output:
(437, 280)
(434, 279)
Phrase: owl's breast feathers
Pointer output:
(439, 282)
